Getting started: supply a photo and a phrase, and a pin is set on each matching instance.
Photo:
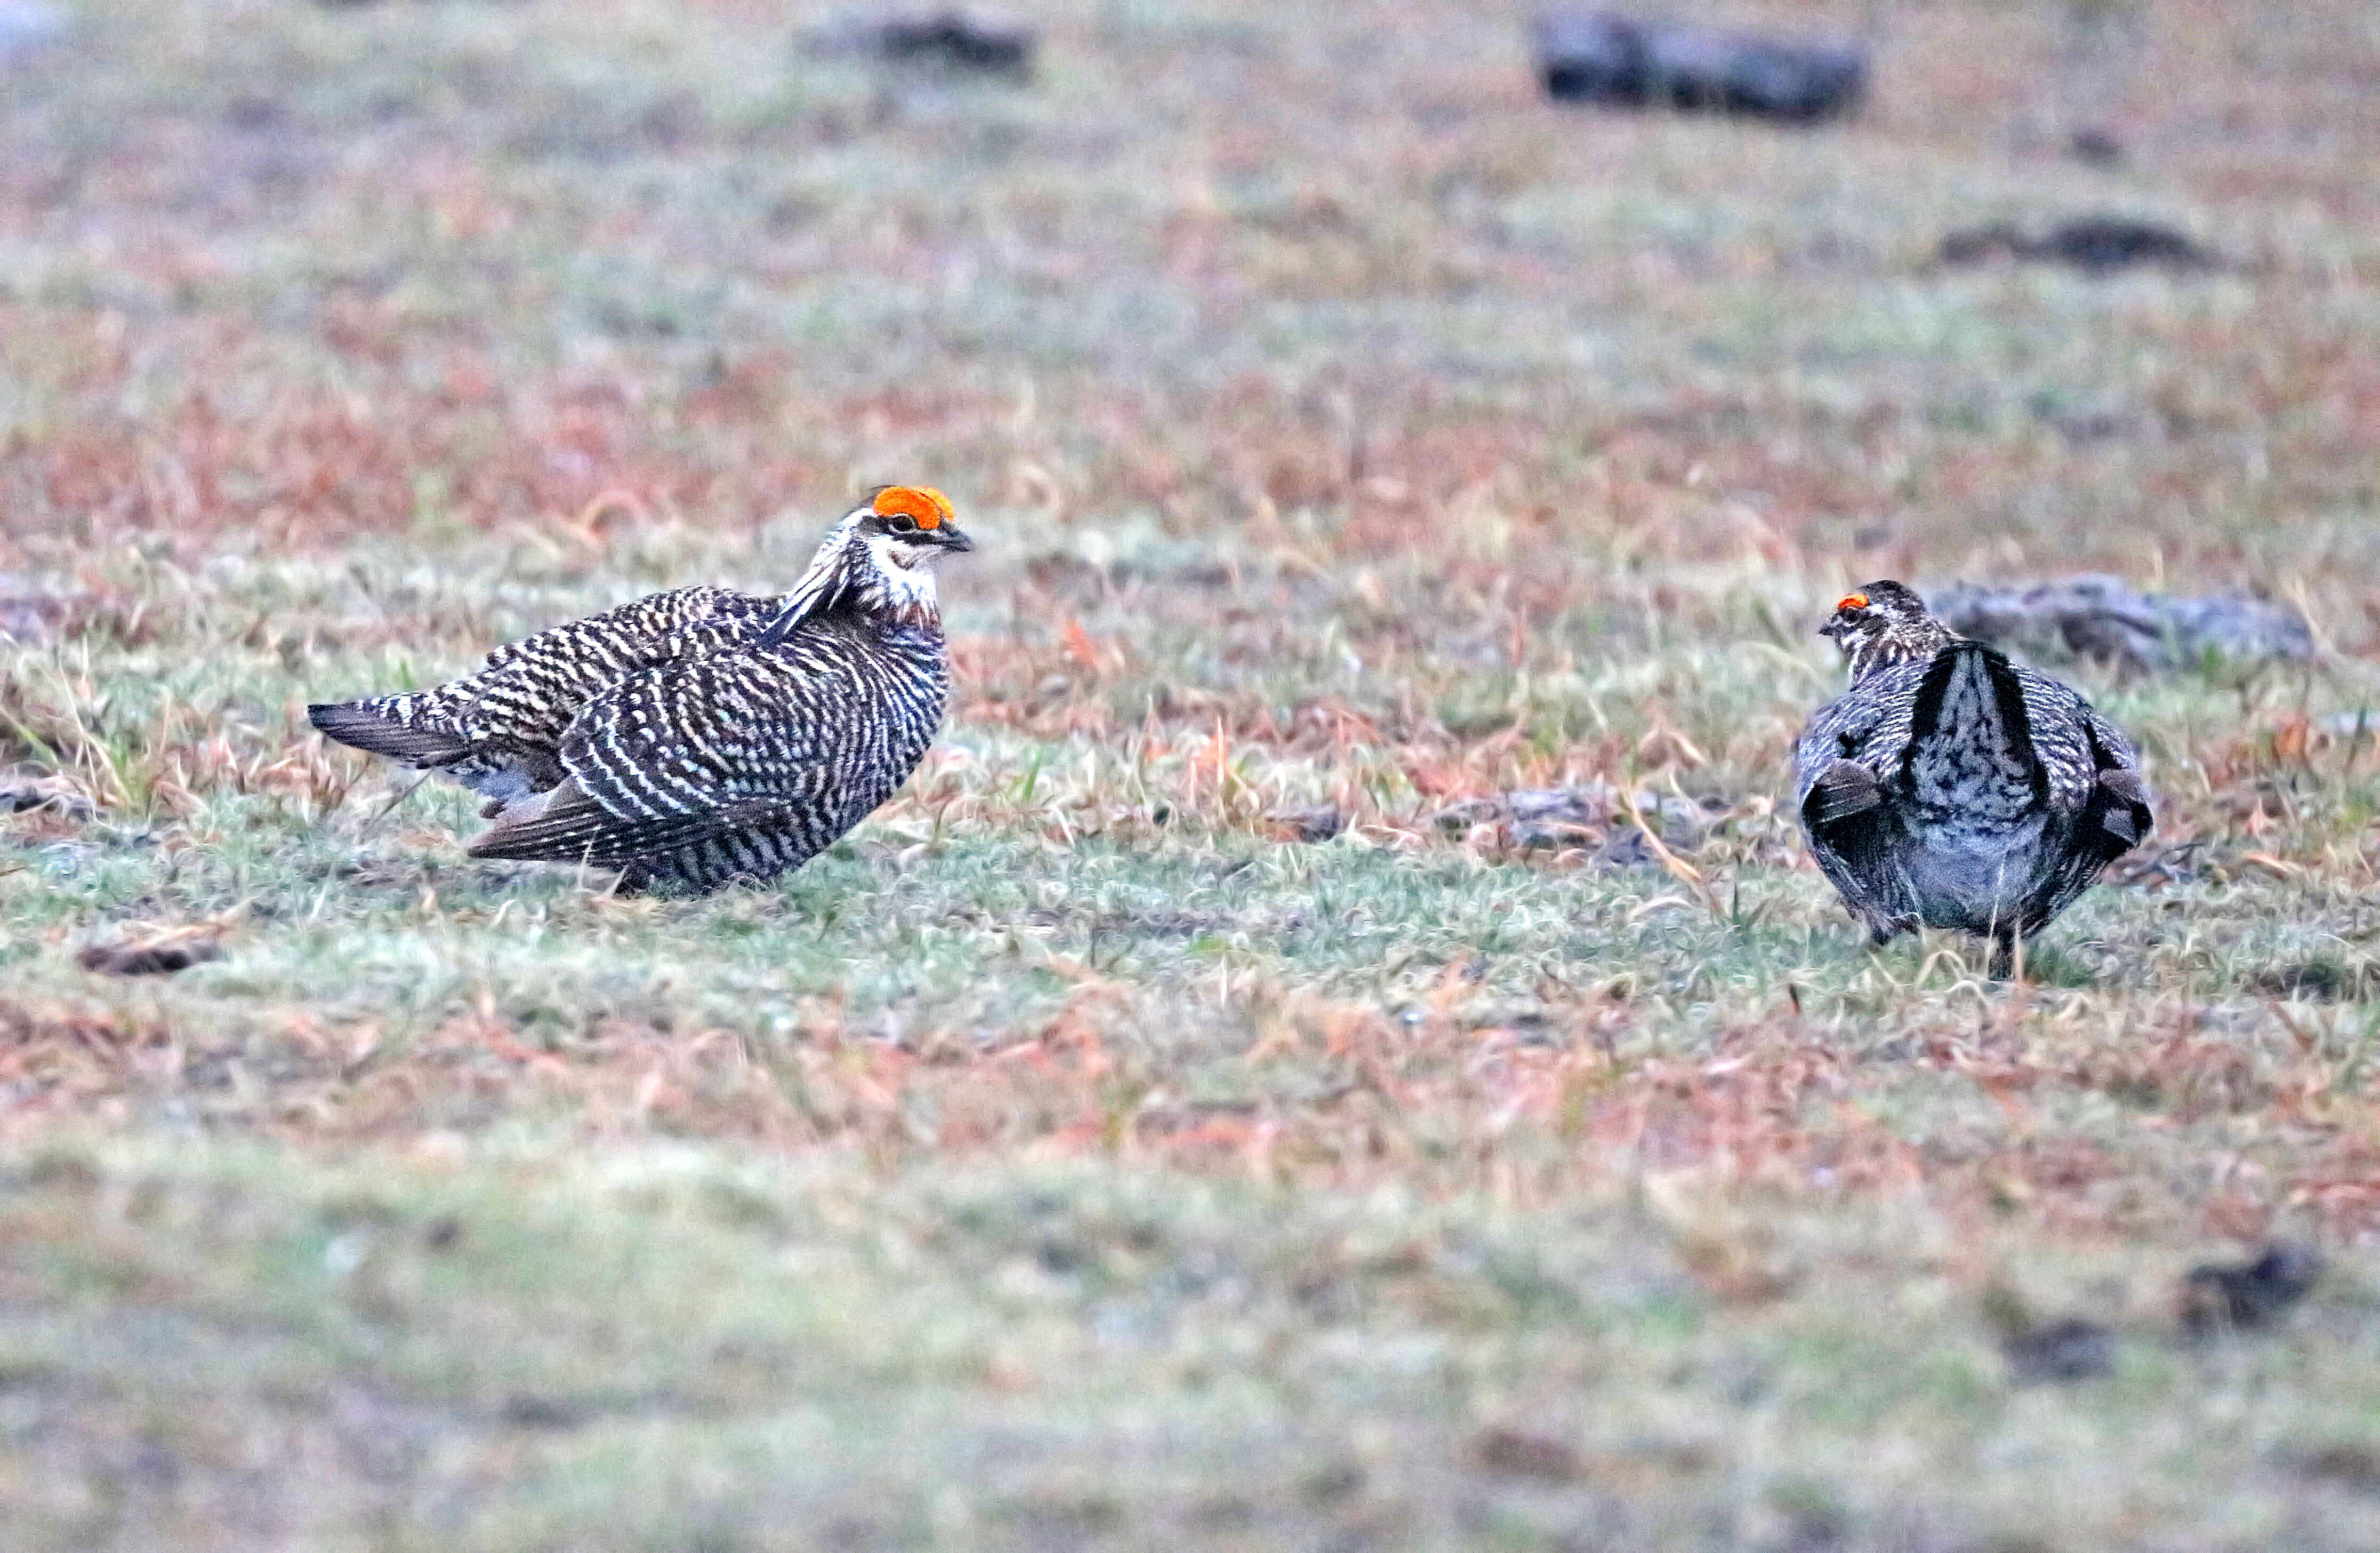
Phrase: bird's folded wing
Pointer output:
(2119, 804)
(534, 689)
(1842, 791)
(667, 758)
(1842, 730)
(566, 825)
(2118, 809)
(562, 825)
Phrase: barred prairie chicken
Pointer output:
(700, 735)
(1950, 788)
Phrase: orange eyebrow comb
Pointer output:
(927, 506)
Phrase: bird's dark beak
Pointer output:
(1833, 628)
(950, 537)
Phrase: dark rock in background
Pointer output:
(1308, 824)
(21, 793)
(2317, 981)
(1594, 817)
(161, 955)
(2098, 616)
(2155, 867)
(956, 37)
(2065, 1351)
(1528, 1453)
(2217, 1298)
(2095, 245)
(31, 614)
(2098, 147)
(1599, 58)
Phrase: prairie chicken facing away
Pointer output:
(700, 735)
(1950, 788)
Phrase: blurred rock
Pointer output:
(1584, 56)
(2095, 245)
(29, 26)
(2102, 418)
(2153, 867)
(2351, 1465)
(251, 112)
(1590, 816)
(2098, 616)
(2098, 147)
(1307, 824)
(21, 794)
(161, 955)
(957, 37)
(1528, 1453)
(2236, 1298)
(2064, 1350)
(30, 614)
(2317, 981)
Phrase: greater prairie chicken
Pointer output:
(1949, 787)
(700, 735)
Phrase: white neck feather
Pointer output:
(878, 573)
(904, 573)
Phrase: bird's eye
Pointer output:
(901, 522)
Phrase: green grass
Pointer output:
(662, 1348)
(1070, 1158)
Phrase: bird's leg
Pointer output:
(2003, 964)
(390, 808)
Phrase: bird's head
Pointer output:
(907, 527)
(878, 562)
(1884, 623)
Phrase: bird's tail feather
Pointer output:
(362, 726)
(1975, 690)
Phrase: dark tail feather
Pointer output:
(355, 723)
(1969, 661)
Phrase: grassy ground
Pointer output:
(1076, 1156)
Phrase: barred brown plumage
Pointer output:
(701, 736)
(1950, 788)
